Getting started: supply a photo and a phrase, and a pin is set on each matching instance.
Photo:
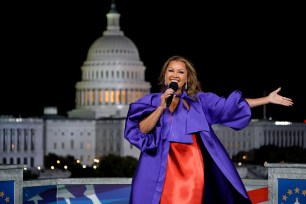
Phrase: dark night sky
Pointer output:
(254, 47)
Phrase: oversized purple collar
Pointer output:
(183, 122)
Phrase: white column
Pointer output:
(22, 140)
(6, 140)
(107, 96)
(14, 139)
(27, 131)
(96, 93)
(32, 140)
(295, 137)
(103, 96)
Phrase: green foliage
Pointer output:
(109, 166)
(29, 175)
(116, 166)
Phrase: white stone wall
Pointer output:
(76, 138)
(110, 138)
(260, 133)
(91, 139)
(86, 139)
(21, 142)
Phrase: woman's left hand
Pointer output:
(275, 98)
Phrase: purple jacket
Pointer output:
(222, 181)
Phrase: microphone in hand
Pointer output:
(173, 85)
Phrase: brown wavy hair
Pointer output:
(193, 85)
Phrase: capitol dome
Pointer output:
(113, 46)
(113, 75)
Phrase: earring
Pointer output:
(186, 85)
(166, 82)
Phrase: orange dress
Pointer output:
(184, 182)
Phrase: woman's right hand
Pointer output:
(164, 97)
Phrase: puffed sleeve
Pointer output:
(143, 141)
(232, 111)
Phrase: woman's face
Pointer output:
(176, 72)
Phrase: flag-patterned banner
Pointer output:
(100, 193)
(77, 193)
(291, 191)
(6, 192)
(258, 195)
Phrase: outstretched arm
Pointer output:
(273, 97)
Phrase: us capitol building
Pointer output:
(113, 76)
